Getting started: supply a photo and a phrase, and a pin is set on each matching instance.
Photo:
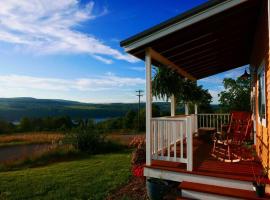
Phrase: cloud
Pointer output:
(99, 83)
(214, 94)
(49, 27)
(139, 69)
(212, 80)
(235, 73)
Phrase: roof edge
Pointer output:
(171, 21)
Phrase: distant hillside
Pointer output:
(13, 109)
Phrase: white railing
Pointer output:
(213, 120)
(171, 139)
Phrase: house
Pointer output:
(217, 36)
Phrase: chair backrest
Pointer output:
(240, 126)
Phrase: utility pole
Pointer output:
(139, 94)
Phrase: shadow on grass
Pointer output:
(63, 153)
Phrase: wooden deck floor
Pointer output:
(205, 164)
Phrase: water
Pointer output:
(97, 120)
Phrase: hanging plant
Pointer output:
(167, 82)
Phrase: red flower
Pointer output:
(137, 170)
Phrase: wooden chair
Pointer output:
(238, 131)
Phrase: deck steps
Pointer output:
(211, 192)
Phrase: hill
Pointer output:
(13, 109)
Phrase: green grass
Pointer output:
(90, 178)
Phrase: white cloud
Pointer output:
(214, 94)
(139, 69)
(49, 27)
(212, 80)
(99, 83)
(235, 73)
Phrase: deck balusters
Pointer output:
(213, 120)
(168, 139)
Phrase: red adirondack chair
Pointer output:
(238, 131)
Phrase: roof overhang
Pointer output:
(209, 39)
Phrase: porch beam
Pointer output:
(158, 57)
(148, 90)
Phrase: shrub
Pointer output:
(138, 155)
(87, 140)
(91, 141)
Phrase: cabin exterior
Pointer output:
(217, 36)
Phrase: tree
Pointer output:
(25, 124)
(129, 119)
(167, 82)
(236, 95)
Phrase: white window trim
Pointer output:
(262, 121)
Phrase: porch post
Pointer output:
(186, 109)
(148, 109)
(172, 105)
(196, 117)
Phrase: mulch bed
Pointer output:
(134, 190)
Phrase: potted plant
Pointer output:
(157, 188)
(260, 181)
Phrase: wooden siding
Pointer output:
(261, 53)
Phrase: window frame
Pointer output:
(261, 69)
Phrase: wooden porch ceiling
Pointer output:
(213, 45)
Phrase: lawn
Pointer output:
(90, 178)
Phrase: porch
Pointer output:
(178, 154)
(207, 40)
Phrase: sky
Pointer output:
(69, 49)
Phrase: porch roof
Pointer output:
(214, 37)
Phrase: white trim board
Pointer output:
(195, 178)
(204, 196)
(184, 23)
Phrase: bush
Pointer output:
(91, 141)
(138, 156)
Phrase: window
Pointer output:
(261, 95)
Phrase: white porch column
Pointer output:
(186, 109)
(148, 105)
(172, 106)
(196, 117)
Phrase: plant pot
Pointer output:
(156, 188)
(260, 190)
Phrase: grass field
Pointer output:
(123, 139)
(29, 138)
(90, 178)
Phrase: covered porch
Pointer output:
(207, 40)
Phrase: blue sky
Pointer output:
(69, 49)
